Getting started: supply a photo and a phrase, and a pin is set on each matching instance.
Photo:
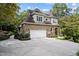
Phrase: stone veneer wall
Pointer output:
(50, 33)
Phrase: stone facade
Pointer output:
(51, 30)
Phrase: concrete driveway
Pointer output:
(38, 47)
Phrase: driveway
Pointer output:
(38, 47)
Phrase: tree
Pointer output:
(60, 9)
(77, 10)
(70, 26)
(8, 13)
(23, 15)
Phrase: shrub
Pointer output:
(67, 37)
(22, 36)
(4, 35)
(16, 36)
(77, 53)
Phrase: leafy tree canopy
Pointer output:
(60, 9)
(8, 13)
(70, 26)
(8, 18)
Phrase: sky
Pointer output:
(43, 6)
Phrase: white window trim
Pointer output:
(39, 18)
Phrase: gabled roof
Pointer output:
(37, 10)
(33, 12)
(29, 19)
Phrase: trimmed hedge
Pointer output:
(22, 36)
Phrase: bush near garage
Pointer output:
(22, 36)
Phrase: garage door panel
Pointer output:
(38, 33)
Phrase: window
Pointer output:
(54, 21)
(37, 18)
(46, 19)
(41, 19)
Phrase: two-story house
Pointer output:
(40, 24)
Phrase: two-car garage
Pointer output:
(39, 30)
(38, 33)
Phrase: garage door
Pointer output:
(38, 33)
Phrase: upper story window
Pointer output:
(39, 18)
(46, 19)
(54, 21)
